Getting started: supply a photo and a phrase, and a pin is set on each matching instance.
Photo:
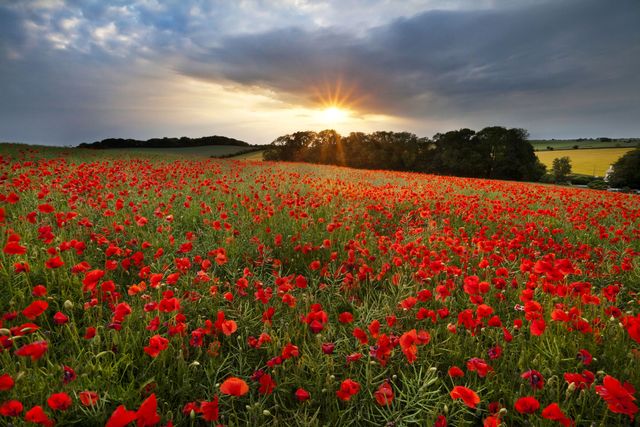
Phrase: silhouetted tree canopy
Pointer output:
(164, 142)
(626, 170)
(494, 152)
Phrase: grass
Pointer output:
(585, 161)
(205, 151)
(254, 156)
(569, 144)
(184, 239)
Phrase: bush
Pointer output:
(598, 184)
(581, 179)
(626, 171)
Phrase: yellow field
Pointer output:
(585, 161)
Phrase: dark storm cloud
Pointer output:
(457, 59)
(71, 70)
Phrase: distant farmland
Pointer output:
(594, 161)
(204, 151)
(569, 144)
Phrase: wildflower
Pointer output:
(527, 405)
(468, 396)
(348, 389)
(234, 386)
(384, 394)
(619, 397)
(536, 380)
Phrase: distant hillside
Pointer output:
(164, 142)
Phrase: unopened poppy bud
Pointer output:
(433, 369)
(266, 413)
(571, 388)
(446, 409)
(248, 407)
(192, 414)
(195, 363)
(68, 305)
(332, 377)
(5, 331)
(502, 412)
(394, 376)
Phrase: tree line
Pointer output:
(494, 152)
(164, 142)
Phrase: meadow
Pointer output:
(165, 290)
(570, 144)
(593, 162)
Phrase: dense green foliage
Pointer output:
(164, 142)
(494, 152)
(561, 168)
(626, 171)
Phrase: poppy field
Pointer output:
(141, 290)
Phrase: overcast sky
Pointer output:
(76, 71)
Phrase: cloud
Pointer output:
(458, 60)
(76, 70)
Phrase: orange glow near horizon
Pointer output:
(337, 103)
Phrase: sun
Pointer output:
(333, 114)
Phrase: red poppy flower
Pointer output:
(13, 247)
(328, 347)
(632, 325)
(121, 417)
(11, 408)
(384, 394)
(38, 416)
(60, 318)
(88, 398)
(468, 396)
(348, 389)
(59, 401)
(554, 413)
(55, 262)
(35, 309)
(441, 421)
(619, 397)
(455, 372)
(234, 386)
(584, 356)
(537, 327)
(479, 366)
(157, 344)
(535, 378)
(209, 410)
(527, 405)
(147, 413)
(408, 342)
(267, 384)
(302, 395)
(34, 350)
(6, 382)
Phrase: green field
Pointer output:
(204, 151)
(254, 155)
(585, 161)
(570, 144)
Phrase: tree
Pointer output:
(561, 168)
(511, 155)
(626, 170)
